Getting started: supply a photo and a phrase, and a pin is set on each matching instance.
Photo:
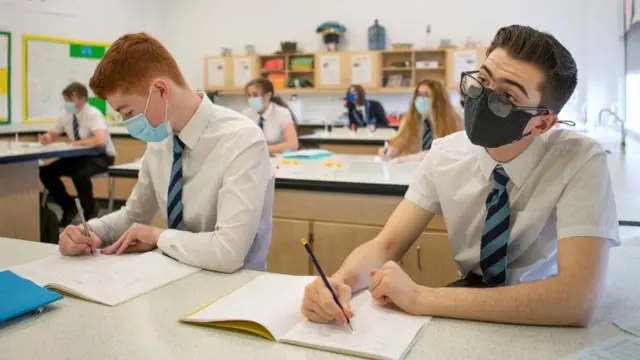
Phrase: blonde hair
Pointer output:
(444, 120)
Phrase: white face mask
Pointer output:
(140, 128)
(70, 107)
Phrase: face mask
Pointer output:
(423, 105)
(352, 98)
(70, 107)
(485, 128)
(256, 103)
(140, 128)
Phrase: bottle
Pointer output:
(377, 37)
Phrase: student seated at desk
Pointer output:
(85, 125)
(272, 114)
(430, 116)
(362, 111)
(529, 209)
(206, 168)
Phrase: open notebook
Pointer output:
(269, 306)
(105, 279)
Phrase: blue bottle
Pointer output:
(377, 37)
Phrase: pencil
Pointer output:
(324, 279)
(84, 221)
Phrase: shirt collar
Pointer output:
(194, 129)
(267, 112)
(519, 168)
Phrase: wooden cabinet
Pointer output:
(333, 242)
(217, 73)
(364, 69)
(330, 71)
(429, 261)
(286, 254)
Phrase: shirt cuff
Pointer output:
(591, 231)
(420, 200)
(99, 228)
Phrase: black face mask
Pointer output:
(485, 128)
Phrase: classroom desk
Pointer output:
(148, 328)
(343, 141)
(20, 184)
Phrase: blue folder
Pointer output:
(19, 296)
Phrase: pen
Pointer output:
(386, 147)
(84, 221)
(324, 279)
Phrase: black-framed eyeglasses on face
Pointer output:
(498, 102)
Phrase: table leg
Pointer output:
(19, 201)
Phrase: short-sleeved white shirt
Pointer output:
(559, 187)
(89, 119)
(275, 119)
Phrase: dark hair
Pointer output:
(76, 89)
(361, 95)
(267, 87)
(548, 54)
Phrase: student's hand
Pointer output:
(45, 139)
(318, 305)
(391, 153)
(391, 285)
(72, 241)
(139, 238)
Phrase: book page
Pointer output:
(622, 347)
(107, 279)
(378, 332)
(270, 300)
(629, 323)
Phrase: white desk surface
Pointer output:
(27, 128)
(148, 327)
(12, 148)
(345, 134)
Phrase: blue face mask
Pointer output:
(256, 103)
(352, 98)
(70, 107)
(140, 128)
(423, 105)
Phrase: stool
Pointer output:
(111, 191)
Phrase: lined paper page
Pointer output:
(622, 347)
(109, 280)
(378, 332)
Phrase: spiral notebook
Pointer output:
(269, 306)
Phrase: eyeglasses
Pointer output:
(498, 102)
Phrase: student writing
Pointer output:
(272, 115)
(529, 209)
(364, 112)
(206, 168)
(84, 125)
(430, 116)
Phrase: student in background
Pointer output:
(206, 167)
(430, 116)
(362, 111)
(84, 125)
(530, 212)
(272, 114)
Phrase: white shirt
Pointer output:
(559, 187)
(89, 119)
(227, 195)
(275, 118)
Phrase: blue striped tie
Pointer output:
(76, 130)
(427, 135)
(495, 235)
(174, 199)
(261, 123)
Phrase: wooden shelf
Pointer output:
(397, 69)
(268, 71)
(395, 90)
(301, 71)
(439, 68)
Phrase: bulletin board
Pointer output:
(5, 78)
(49, 65)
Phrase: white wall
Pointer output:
(90, 20)
(588, 29)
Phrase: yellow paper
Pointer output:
(4, 81)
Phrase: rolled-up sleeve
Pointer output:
(422, 190)
(239, 208)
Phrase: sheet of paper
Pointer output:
(330, 70)
(378, 332)
(215, 72)
(242, 70)
(362, 69)
(4, 107)
(4, 51)
(270, 300)
(464, 60)
(623, 347)
(110, 280)
(630, 324)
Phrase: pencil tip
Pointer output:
(303, 241)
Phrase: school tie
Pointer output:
(261, 122)
(427, 135)
(174, 199)
(495, 235)
(76, 130)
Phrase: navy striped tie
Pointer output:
(261, 122)
(76, 129)
(174, 199)
(495, 235)
(427, 135)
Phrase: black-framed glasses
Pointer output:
(498, 102)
